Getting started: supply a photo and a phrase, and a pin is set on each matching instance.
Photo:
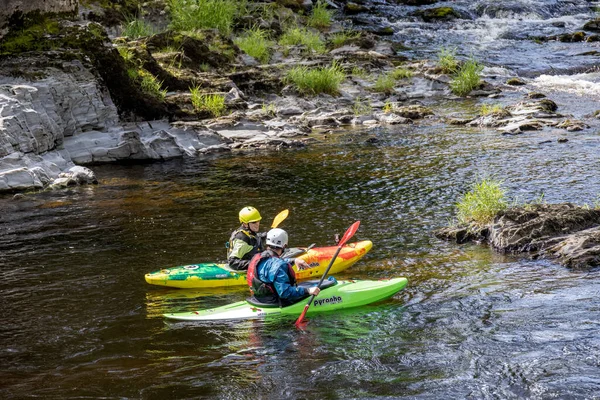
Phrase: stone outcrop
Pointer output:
(9, 7)
(567, 233)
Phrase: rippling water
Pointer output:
(79, 320)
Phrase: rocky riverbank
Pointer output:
(74, 92)
(565, 232)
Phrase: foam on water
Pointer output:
(579, 84)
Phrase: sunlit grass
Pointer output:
(213, 103)
(481, 204)
(385, 84)
(401, 73)
(316, 80)
(467, 78)
(191, 15)
(487, 109)
(447, 61)
(339, 39)
(302, 36)
(320, 16)
(255, 43)
(150, 85)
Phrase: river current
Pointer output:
(79, 321)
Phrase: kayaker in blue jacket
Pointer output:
(245, 241)
(271, 278)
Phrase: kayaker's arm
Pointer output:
(284, 288)
(300, 263)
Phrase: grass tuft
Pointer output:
(255, 43)
(316, 80)
(137, 28)
(385, 84)
(447, 61)
(213, 103)
(191, 15)
(482, 203)
(302, 36)
(467, 78)
(339, 39)
(320, 16)
(150, 85)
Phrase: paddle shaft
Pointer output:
(349, 233)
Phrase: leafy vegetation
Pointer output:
(339, 39)
(385, 84)
(320, 16)
(213, 103)
(467, 78)
(361, 107)
(150, 85)
(302, 36)
(255, 43)
(487, 109)
(137, 28)
(479, 206)
(447, 61)
(316, 80)
(401, 73)
(191, 15)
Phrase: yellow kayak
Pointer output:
(211, 275)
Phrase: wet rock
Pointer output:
(392, 119)
(438, 14)
(592, 26)
(351, 8)
(567, 233)
(413, 111)
(417, 2)
(515, 82)
(535, 95)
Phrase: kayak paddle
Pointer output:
(279, 218)
(349, 233)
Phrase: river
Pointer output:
(79, 321)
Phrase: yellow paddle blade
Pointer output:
(279, 218)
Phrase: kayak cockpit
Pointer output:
(306, 284)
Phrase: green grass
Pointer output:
(137, 28)
(150, 85)
(213, 103)
(316, 80)
(126, 54)
(191, 15)
(255, 43)
(387, 107)
(481, 204)
(339, 39)
(358, 72)
(447, 61)
(302, 36)
(362, 107)
(401, 73)
(487, 109)
(385, 84)
(320, 16)
(467, 78)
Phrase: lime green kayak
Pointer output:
(345, 294)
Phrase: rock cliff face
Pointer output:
(9, 7)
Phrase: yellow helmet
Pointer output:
(249, 214)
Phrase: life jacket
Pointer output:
(265, 291)
(252, 238)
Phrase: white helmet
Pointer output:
(277, 238)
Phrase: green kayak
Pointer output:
(344, 294)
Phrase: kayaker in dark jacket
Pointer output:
(245, 241)
(271, 278)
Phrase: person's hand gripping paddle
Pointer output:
(349, 233)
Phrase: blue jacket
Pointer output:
(275, 270)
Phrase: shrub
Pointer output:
(467, 78)
(482, 203)
(213, 103)
(256, 44)
(302, 36)
(316, 80)
(190, 15)
(321, 16)
(447, 61)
